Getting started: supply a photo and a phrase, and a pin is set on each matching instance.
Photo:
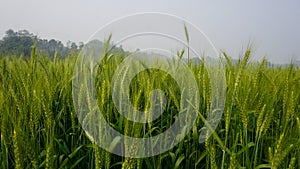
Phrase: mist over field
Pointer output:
(271, 28)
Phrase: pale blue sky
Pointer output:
(272, 27)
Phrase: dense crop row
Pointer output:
(39, 127)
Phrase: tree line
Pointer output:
(21, 43)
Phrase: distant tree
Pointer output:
(21, 42)
(17, 42)
(80, 46)
(74, 46)
(9, 33)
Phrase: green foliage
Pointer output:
(39, 128)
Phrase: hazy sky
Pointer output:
(272, 27)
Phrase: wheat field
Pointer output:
(260, 126)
